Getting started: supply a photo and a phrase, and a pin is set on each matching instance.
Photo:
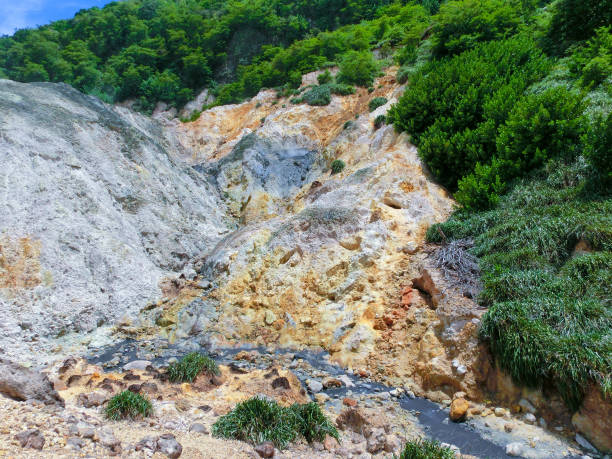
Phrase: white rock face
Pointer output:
(94, 212)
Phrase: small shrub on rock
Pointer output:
(426, 449)
(128, 405)
(379, 121)
(377, 102)
(190, 366)
(337, 166)
(324, 77)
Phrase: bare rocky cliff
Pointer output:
(95, 210)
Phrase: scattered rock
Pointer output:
(265, 449)
(529, 418)
(75, 442)
(107, 438)
(182, 404)
(584, 443)
(198, 428)
(526, 406)
(20, 383)
(137, 365)
(499, 412)
(92, 399)
(31, 438)
(349, 402)
(167, 444)
(330, 382)
(593, 420)
(314, 386)
(458, 409)
(351, 419)
(330, 443)
(281, 383)
(508, 427)
(346, 381)
(376, 440)
(514, 449)
(392, 444)
(269, 317)
(321, 398)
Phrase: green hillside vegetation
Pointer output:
(508, 102)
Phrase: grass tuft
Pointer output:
(190, 366)
(128, 405)
(426, 449)
(258, 420)
(549, 319)
(337, 166)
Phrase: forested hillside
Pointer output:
(508, 101)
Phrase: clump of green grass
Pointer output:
(128, 405)
(311, 423)
(377, 102)
(321, 95)
(337, 166)
(549, 317)
(425, 449)
(190, 366)
(379, 121)
(258, 420)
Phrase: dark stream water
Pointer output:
(432, 417)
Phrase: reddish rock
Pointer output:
(349, 402)
(330, 443)
(351, 419)
(265, 449)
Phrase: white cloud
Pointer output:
(14, 15)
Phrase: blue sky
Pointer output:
(17, 14)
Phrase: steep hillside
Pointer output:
(96, 210)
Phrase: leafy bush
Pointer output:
(481, 189)
(592, 62)
(598, 148)
(321, 95)
(259, 420)
(358, 68)
(548, 321)
(574, 21)
(379, 121)
(539, 127)
(190, 366)
(426, 449)
(377, 102)
(324, 77)
(462, 24)
(337, 166)
(128, 405)
(452, 108)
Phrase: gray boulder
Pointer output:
(22, 384)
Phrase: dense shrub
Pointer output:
(258, 420)
(592, 62)
(452, 108)
(598, 148)
(576, 20)
(324, 77)
(539, 127)
(321, 95)
(548, 320)
(377, 102)
(128, 405)
(337, 165)
(358, 68)
(462, 24)
(190, 366)
(426, 449)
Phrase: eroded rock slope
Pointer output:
(95, 209)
